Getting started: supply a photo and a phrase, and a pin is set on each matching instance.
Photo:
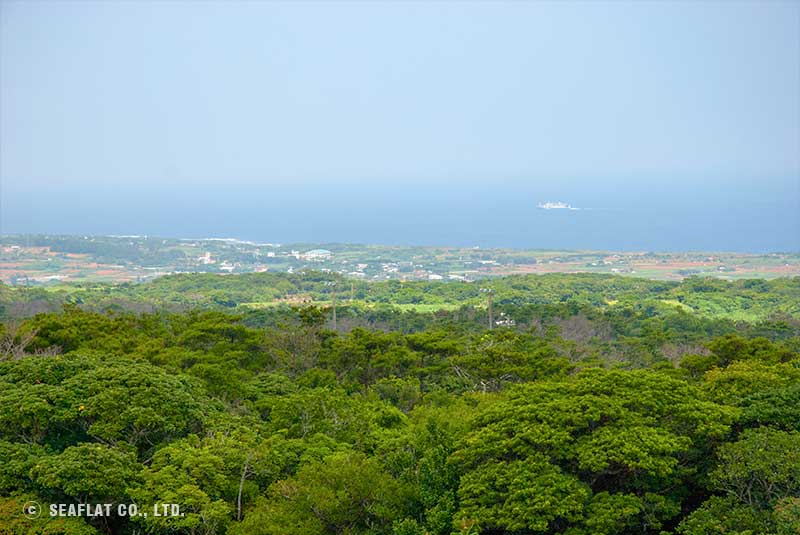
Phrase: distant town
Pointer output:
(31, 260)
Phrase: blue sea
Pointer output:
(632, 217)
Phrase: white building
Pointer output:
(317, 255)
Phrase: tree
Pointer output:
(759, 475)
(726, 515)
(777, 407)
(345, 493)
(567, 449)
(135, 402)
(760, 468)
(740, 380)
(68, 399)
(526, 494)
(14, 340)
(194, 477)
(90, 473)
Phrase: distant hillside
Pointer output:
(741, 300)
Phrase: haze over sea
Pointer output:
(710, 217)
(671, 125)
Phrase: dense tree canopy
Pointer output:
(571, 416)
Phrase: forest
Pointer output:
(312, 404)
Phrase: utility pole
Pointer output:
(489, 305)
(491, 310)
(333, 284)
(352, 290)
(334, 306)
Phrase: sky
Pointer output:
(671, 125)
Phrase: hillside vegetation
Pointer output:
(749, 299)
(593, 405)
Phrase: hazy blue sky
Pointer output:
(677, 123)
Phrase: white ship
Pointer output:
(555, 206)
